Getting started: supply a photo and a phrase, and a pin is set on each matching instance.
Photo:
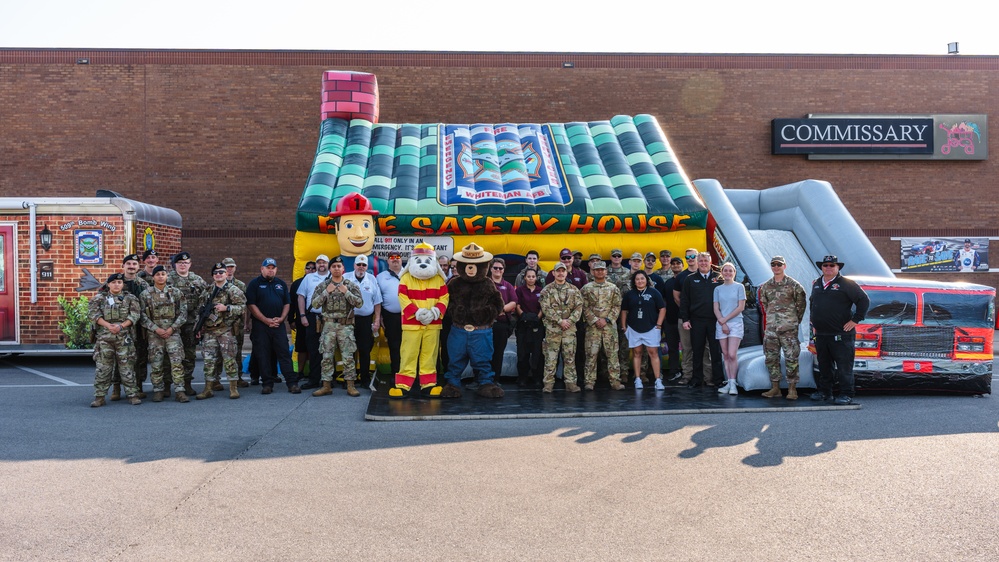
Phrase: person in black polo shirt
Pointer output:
(671, 327)
(837, 305)
(269, 303)
(697, 311)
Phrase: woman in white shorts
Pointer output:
(642, 312)
(730, 300)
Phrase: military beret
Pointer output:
(158, 269)
(148, 253)
(130, 257)
(116, 277)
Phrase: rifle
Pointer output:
(206, 311)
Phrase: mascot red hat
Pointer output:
(353, 204)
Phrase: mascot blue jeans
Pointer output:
(475, 347)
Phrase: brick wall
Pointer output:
(227, 138)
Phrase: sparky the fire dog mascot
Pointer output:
(423, 297)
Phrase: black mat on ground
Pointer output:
(520, 403)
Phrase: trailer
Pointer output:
(57, 246)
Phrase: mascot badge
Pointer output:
(475, 302)
(423, 298)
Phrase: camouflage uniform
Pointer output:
(784, 306)
(137, 287)
(560, 302)
(193, 288)
(665, 273)
(621, 278)
(238, 332)
(217, 340)
(601, 300)
(114, 349)
(338, 326)
(519, 282)
(164, 309)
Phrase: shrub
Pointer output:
(77, 325)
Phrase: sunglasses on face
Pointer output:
(220, 272)
(566, 258)
(775, 264)
(828, 265)
(691, 257)
(361, 264)
(497, 268)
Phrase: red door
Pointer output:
(7, 290)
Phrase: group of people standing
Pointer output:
(612, 321)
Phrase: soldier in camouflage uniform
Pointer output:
(193, 287)
(601, 309)
(337, 298)
(561, 307)
(114, 313)
(150, 259)
(218, 344)
(164, 311)
(783, 302)
(620, 275)
(238, 328)
(665, 272)
(136, 286)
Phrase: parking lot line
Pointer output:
(63, 382)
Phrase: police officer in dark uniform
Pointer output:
(698, 315)
(837, 305)
(269, 302)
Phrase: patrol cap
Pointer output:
(560, 265)
(148, 253)
(666, 253)
(967, 240)
(636, 256)
(116, 277)
(323, 257)
(599, 265)
(675, 260)
(129, 257)
(594, 257)
(158, 269)
(616, 253)
(181, 256)
(778, 259)
(269, 262)
(229, 262)
(220, 266)
(577, 254)
(361, 260)
(650, 255)
(565, 253)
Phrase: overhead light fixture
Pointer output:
(83, 61)
(568, 65)
(45, 238)
(952, 48)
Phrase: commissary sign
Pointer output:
(947, 137)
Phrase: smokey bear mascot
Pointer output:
(423, 298)
(475, 303)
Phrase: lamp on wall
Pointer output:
(45, 238)
(952, 48)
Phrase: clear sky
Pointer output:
(650, 26)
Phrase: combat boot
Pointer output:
(773, 392)
(115, 392)
(98, 402)
(616, 385)
(571, 387)
(207, 393)
(792, 391)
(158, 396)
(141, 394)
(233, 389)
(134, 400)
(188, 389)
(180, 397)
(351, 391)
(217, 386)
(326, 390)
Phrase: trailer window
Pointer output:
(891, 307)
(952, 309)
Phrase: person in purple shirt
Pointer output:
(530, 332)
(504, 322)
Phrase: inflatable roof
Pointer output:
(425, 177)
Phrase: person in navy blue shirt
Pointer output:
(269, 302)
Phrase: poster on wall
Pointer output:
(945, 255)
(88, 247)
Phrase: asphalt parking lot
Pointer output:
(285, 476)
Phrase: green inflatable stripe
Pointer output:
(604, 138)
(656, 148)
(662, 158)
(645, 180)
(601, 129)
(350, 180)
(383, 150)
(634, 206)
(638, 158)
(619, 180)
(380, 181)
(318, 190)
(591, 170)
(405, 207)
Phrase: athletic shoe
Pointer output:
(659, 385)
(733, 388)
(638, 384)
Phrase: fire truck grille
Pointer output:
(912, 341)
